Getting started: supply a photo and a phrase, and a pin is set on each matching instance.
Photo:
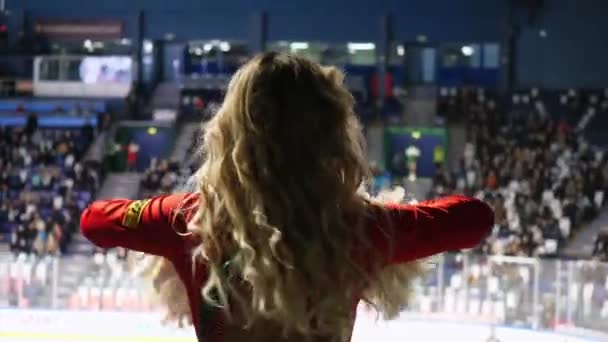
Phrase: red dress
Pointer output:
(153, 225)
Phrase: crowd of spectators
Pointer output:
(161, 177)
(164, 176)
(44, 185)
(536, 168)
(526, 155)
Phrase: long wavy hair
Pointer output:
(283, 223)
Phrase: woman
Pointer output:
(277, 244)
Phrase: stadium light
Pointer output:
(400, 50)
(467, 50)
(225, 46)
(361, 46)
(88, 44)
(148, 47)
(298, 46)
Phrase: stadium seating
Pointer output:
(528, 156)
(44, 185)
(41, 107)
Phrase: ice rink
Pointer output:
(65, 326)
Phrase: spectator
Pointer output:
(132, 151)
(600, 247)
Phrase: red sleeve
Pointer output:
(433, 227)
(143, 225)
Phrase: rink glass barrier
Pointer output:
(517, 292)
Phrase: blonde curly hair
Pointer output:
(280, 203)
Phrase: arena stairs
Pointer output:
(166, 96)
(582, 244)
(185, 137)
(96, 150)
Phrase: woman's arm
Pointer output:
(417, 231)
(144, 225)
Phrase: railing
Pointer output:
(510, 291)
(524, 292)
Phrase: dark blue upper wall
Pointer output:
(359, 20)
(575, 51)
(335, 20)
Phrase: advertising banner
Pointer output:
(73, 29)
